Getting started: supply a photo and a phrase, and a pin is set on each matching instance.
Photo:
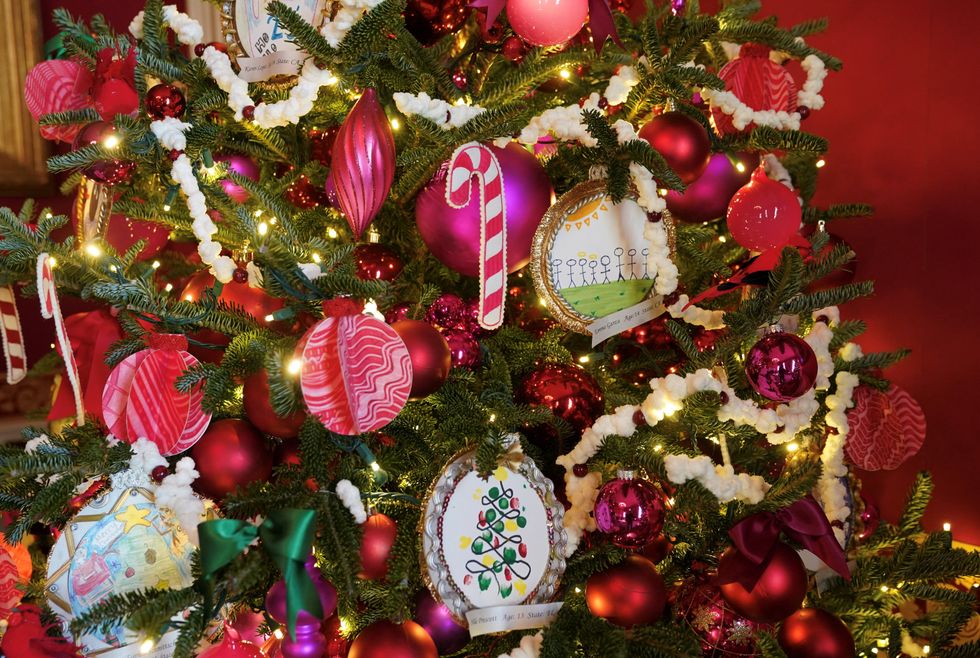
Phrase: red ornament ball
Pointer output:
(463, 348)
(385, 639)
(374, 261)
(781, 366)
(513, 49)
(377, 538)
(430, 20)
(258, 407)
(631, 511)
(815, 633)
(570, 392)
(231, 454)
(778, 592)
(682, 141)
(110, 172)
(547, 22)
(430, 354)
(159, 473)
(721, 630)
(233, 646)
(164, 101)
(763, 214)
(628, 594)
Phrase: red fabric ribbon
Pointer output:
(114, 87)
(600, 20)
(90, 334)
(803, 522)
(27, 637)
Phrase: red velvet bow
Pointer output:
(804, 522)
(114, 88)
(600, 20)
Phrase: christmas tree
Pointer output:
(429, 329)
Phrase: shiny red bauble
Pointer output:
(377, 538)
(781, 366)
(164, 101)
(258, 408)
(707, 198)
(682, 141)
(385, 639)
(430, 20)
(628, 594)
(429, 351)
(376, 262)
(777, 594)
(815, 633)
(231, 454)
(570, 392)
(233, 646)
(547, 22)
(763, 214)
(110, 172)
(721, 631)
(631, 511)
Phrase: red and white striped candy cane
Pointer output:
(13, 336)
(50, 308)
(469, 160)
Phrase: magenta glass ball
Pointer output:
(707, 198)
(242, 165)
(453, 236)
(631, 511)
(463, 347)
(438, 622)
(448, 310)
(547, 22)
(275, 599)
(781, 366)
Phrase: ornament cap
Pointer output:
(625, 474)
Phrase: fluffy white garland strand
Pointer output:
(530, 647)
(701, 317)
(189, 32)
(349, 13)
(174, 494)
(350, 496)
(436, 110)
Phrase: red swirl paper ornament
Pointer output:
(15, 571)
(758, 82)
(357, 373)
(58, 85)
(886, 428)
(363, 164)
(140, 398)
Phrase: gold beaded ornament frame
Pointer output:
(589, 256)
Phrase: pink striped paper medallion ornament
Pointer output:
(886, 428)
(140, 398)
(57, 85)
(356, 374)
(362, 166)
(14, 353)
(473, 160)
(758, 82)
(15, 572)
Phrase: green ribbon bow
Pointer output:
(287, 536)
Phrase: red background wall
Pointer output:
(902, 122)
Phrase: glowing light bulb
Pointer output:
(792, 446)
(54, 262)
(947, 526)
(155, 264)
(263, 228)
(113, 268)
(821, 163)
(147, 646)
(333, 80)
(565, 74)
(93, 250)
(278, 634)
(48, 215)
(294, 366)
(111, 142)
(583, 359)
(332, 233)
(316, 258)
(375, 466)
(739, 167)
(658, 447)
(395, 123)
(270, 317)
(166, 207)
(169, 287)
(722, 239)
(258, 213)
(884, 588)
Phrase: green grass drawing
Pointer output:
(603, 299)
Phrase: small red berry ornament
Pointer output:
(779, 590)
(682, 141)
(763, 214)
(628, 594)
(164, 101)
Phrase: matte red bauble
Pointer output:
(110, 172)
(430, 20)
(707, 198)
(781, 366)
(815, 633)
(377, 538)
(231, 454)
(569, 391)
(722, 631)
(429, 351)
(630, 510)
(682, 141)
(628, 594)
(164, 101)
(763, 214)
(374, 261)
(385, 639)
(779, 591)
(258, 408)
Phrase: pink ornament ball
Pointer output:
(764, 214)
(547, 22)
(781, 366)
(242, 165)
(464, 348)
(233, 646)
(453, 235)
(707, 198)
(631, 511)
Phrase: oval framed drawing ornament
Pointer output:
(493, 543)
(589, 256)
(263, 49)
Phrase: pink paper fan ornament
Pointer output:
(58, 85)
(356, 375)
(140, 398)
(886, 428)
(758, 82)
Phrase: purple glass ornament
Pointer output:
(242, 165)
(677, 6)
(781, 366)
(275, 600)
(707, 198)
(464, 348)
(453, 235)
(447, 311)
(631, 511)
(363, 163)
(437, 621)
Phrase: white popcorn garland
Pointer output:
(188, 30)
(350, 11)
(350, 496)
(174, 494)
(701, 317)
(530, 647)
(438, 111)
(721, 480)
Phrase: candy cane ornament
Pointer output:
(14, 353)
(469, 160)
(51, 309)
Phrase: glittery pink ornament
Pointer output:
(363, 164)
(447, 311)
(241, 165)
(464, 348)
(397, 312)
(722, 631)
(781, 366)
(764, 213)
(629, 510)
